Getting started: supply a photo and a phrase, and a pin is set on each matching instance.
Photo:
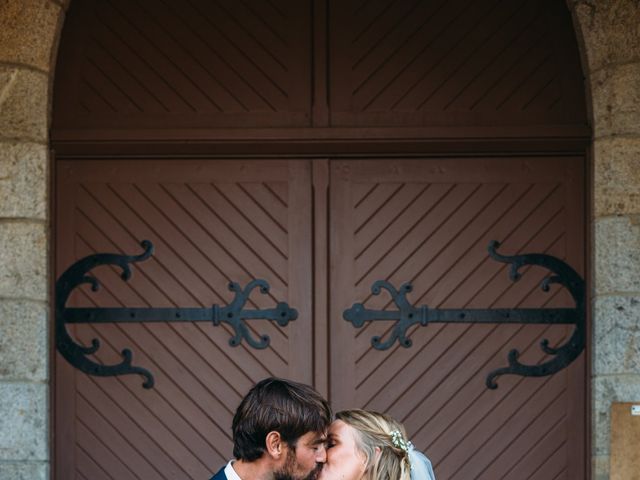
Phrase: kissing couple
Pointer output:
(283, 430)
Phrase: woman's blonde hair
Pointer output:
(378, 431)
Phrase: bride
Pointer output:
(366, 445)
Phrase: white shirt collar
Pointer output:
(230, 473)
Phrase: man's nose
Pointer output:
(321, 454)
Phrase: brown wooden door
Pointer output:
(211, 222)
(428, 222)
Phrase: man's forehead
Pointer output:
(311, 438)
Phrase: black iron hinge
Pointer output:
(233, 314)
(407, 315)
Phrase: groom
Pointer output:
(279, 433)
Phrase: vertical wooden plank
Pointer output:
(300, 267)
(577, 372)
(320, 103)
(341, 253)
(65, 374)
(320, 275)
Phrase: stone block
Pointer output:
(23, 340)
(616, 341)
(600, 467)
(28, 29)
(606, 390)
(610, 31)
(617, 255)
(23, 103)
(23, 421)
(616, 100)
(24, 470)
(23, 256)
(23, 180)
(617, 176)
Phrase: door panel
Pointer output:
(211, 222)
(429, 222)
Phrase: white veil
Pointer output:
(421, 468)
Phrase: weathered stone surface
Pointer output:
(63, 3)
(617, 176)
(616, 100)
(606, 390)
(24, 470)
(23, 421)
(23, 182)
(23, 104)
(617, 254)
(23, 340)
(600, 467)
(27, 31)
(23, 256)
(610, 31)
(616, 341)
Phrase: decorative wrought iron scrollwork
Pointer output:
(234, 314)
(407, 315)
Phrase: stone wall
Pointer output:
(28, 31)
(609, 35)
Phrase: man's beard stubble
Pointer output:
(287, 472)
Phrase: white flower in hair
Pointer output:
(399, 442)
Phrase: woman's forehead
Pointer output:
(340, 429)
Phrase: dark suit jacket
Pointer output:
(220, 475)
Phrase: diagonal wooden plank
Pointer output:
(245, 208)
(481, 71)
(210, 231)
(87, 468)
(177, 422)
(432, 278)
(280, 190)
(361, 191)
(414, 243)
(364, 211)
(150, 55)
(474, 43)
(101, 455)
(392, 19)
(130, 448)
(552, 404)
(385, 217)
(396, 55)
(270, 202)
(528, 214)
(414, 262)
(129, 228)
(430, 419)
(396, 86)
(527, 465)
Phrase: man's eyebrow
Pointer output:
(319, 439)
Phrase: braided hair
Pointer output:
(383, 441)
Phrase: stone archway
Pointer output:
(609, 37)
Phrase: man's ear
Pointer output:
(275, 445)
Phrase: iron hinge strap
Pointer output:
(234, 314)
(407, 315)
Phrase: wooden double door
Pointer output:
(321, 232)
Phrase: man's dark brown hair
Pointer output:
(274, 404)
